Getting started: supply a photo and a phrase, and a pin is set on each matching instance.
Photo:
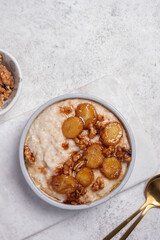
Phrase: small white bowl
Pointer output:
(22, 161)
(12, 65)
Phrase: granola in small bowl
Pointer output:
(10, 81)
(6, 82)
(77, 152)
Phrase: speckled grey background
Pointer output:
(61, 45)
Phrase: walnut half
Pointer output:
(79, 164)
(28, 155)
(123, 154)
(109, 151)
(74, 198)
(82, 143)
(98, 184)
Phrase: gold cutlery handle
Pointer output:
(136, 222)
(123, 224)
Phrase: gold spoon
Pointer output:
(152, 193)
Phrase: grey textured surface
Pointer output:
(63, 45)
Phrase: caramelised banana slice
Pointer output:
(72, 127)
(87, 112)
(85, 176)
(64, 184)
(94, 155)
(111, 167)
(112, 133)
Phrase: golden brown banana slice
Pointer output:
(64, 184)
(87, 112)
(94, 155)
(112, 133)
(72, 127)
(85, 176)
(111, 167)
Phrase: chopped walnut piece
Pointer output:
(92, 131)
(100, 118)
(74, 198)
(66, 109)
(71, 199)
(1, 59)
(67, 167)
(79, 164)
(77, 156)
(100, 125)
(77, 140)
(119, 149)
(6, 77)
(123, 154)
(1, 100)
(6, 84)
(82, 146)
(2, 90)
(109, 151)
(98, 184)
(83, 134)
(69, 162)
(1, 83)
(67, 170)
(28, 155)
(80, 191)
(127, 158)
(120, 154)
(7, 93)
(82, 143)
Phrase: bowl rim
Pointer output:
(19, 87)
(42, 108)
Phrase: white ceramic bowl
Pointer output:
(47, 198)
(12, 65)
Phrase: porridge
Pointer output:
(76, 151)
